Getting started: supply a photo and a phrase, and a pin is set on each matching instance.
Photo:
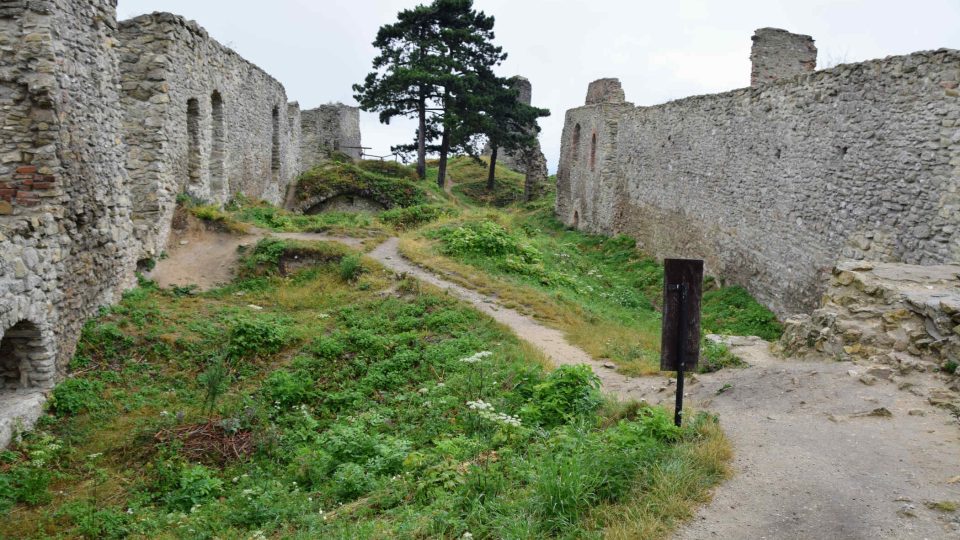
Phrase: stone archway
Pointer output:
(347, 202)
(25, 359)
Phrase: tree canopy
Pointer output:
(436, 63)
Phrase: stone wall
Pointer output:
(103, 125)
(199, 119)
(777, 54)
(897, 314)
(65, 226)
(773, 184)
(328, 128)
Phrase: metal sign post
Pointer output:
(680, 335)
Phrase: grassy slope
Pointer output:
(351, 395)
(600, 291)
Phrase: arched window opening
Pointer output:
(218, 143)
(593, 152)
(575, 149)
(193, 140)
(275, 148)
(576, 219)
(24, 362)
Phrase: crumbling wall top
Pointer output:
(778, 54)
(605, 91)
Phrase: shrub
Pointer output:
(566, 393)
(91, 520)
(288, 389)
(951, 366)
(215, 381)
(104, 341)
(311, 466)
(412, 216)
(25, 484)
(256, 336)
(485, 238)
(196, 484)
(74, 396)
(350, 481)
(350, 268)
(716, 356)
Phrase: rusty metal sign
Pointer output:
(680, 334)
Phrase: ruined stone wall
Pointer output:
(331, 127)
(773, 184)
(777, 54)
(198, 119)
(65, 229)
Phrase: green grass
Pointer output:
(601, 291)
(336, 403)
(267, 216)
(334, 178)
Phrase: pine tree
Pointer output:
(404, 80)
(509, 124)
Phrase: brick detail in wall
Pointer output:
(27, 187)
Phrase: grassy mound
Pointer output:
(333, 178)
(388, 168)
(601, 291)
(471, 179)
(339, 402)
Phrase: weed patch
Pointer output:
(338, 409)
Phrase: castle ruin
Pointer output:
(774, 183)
(104, 125)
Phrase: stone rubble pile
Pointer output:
(904, 317)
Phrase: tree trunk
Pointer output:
(422, 137)
(444, 148)
(491, 180)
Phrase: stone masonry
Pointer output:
(65, 224)
(901, 315)
(199, 119)
(103, 126)
(772, 184)
(328, 128)
(777, 54)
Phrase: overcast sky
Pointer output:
(660, 50)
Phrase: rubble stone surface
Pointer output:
(772, 184)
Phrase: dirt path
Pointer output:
(208, 259)
(812, 459)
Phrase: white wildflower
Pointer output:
(323, 316)
(476, 357)
(466, 536)
(479, 405)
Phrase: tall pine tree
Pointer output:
(431, 60)
(404, 80)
